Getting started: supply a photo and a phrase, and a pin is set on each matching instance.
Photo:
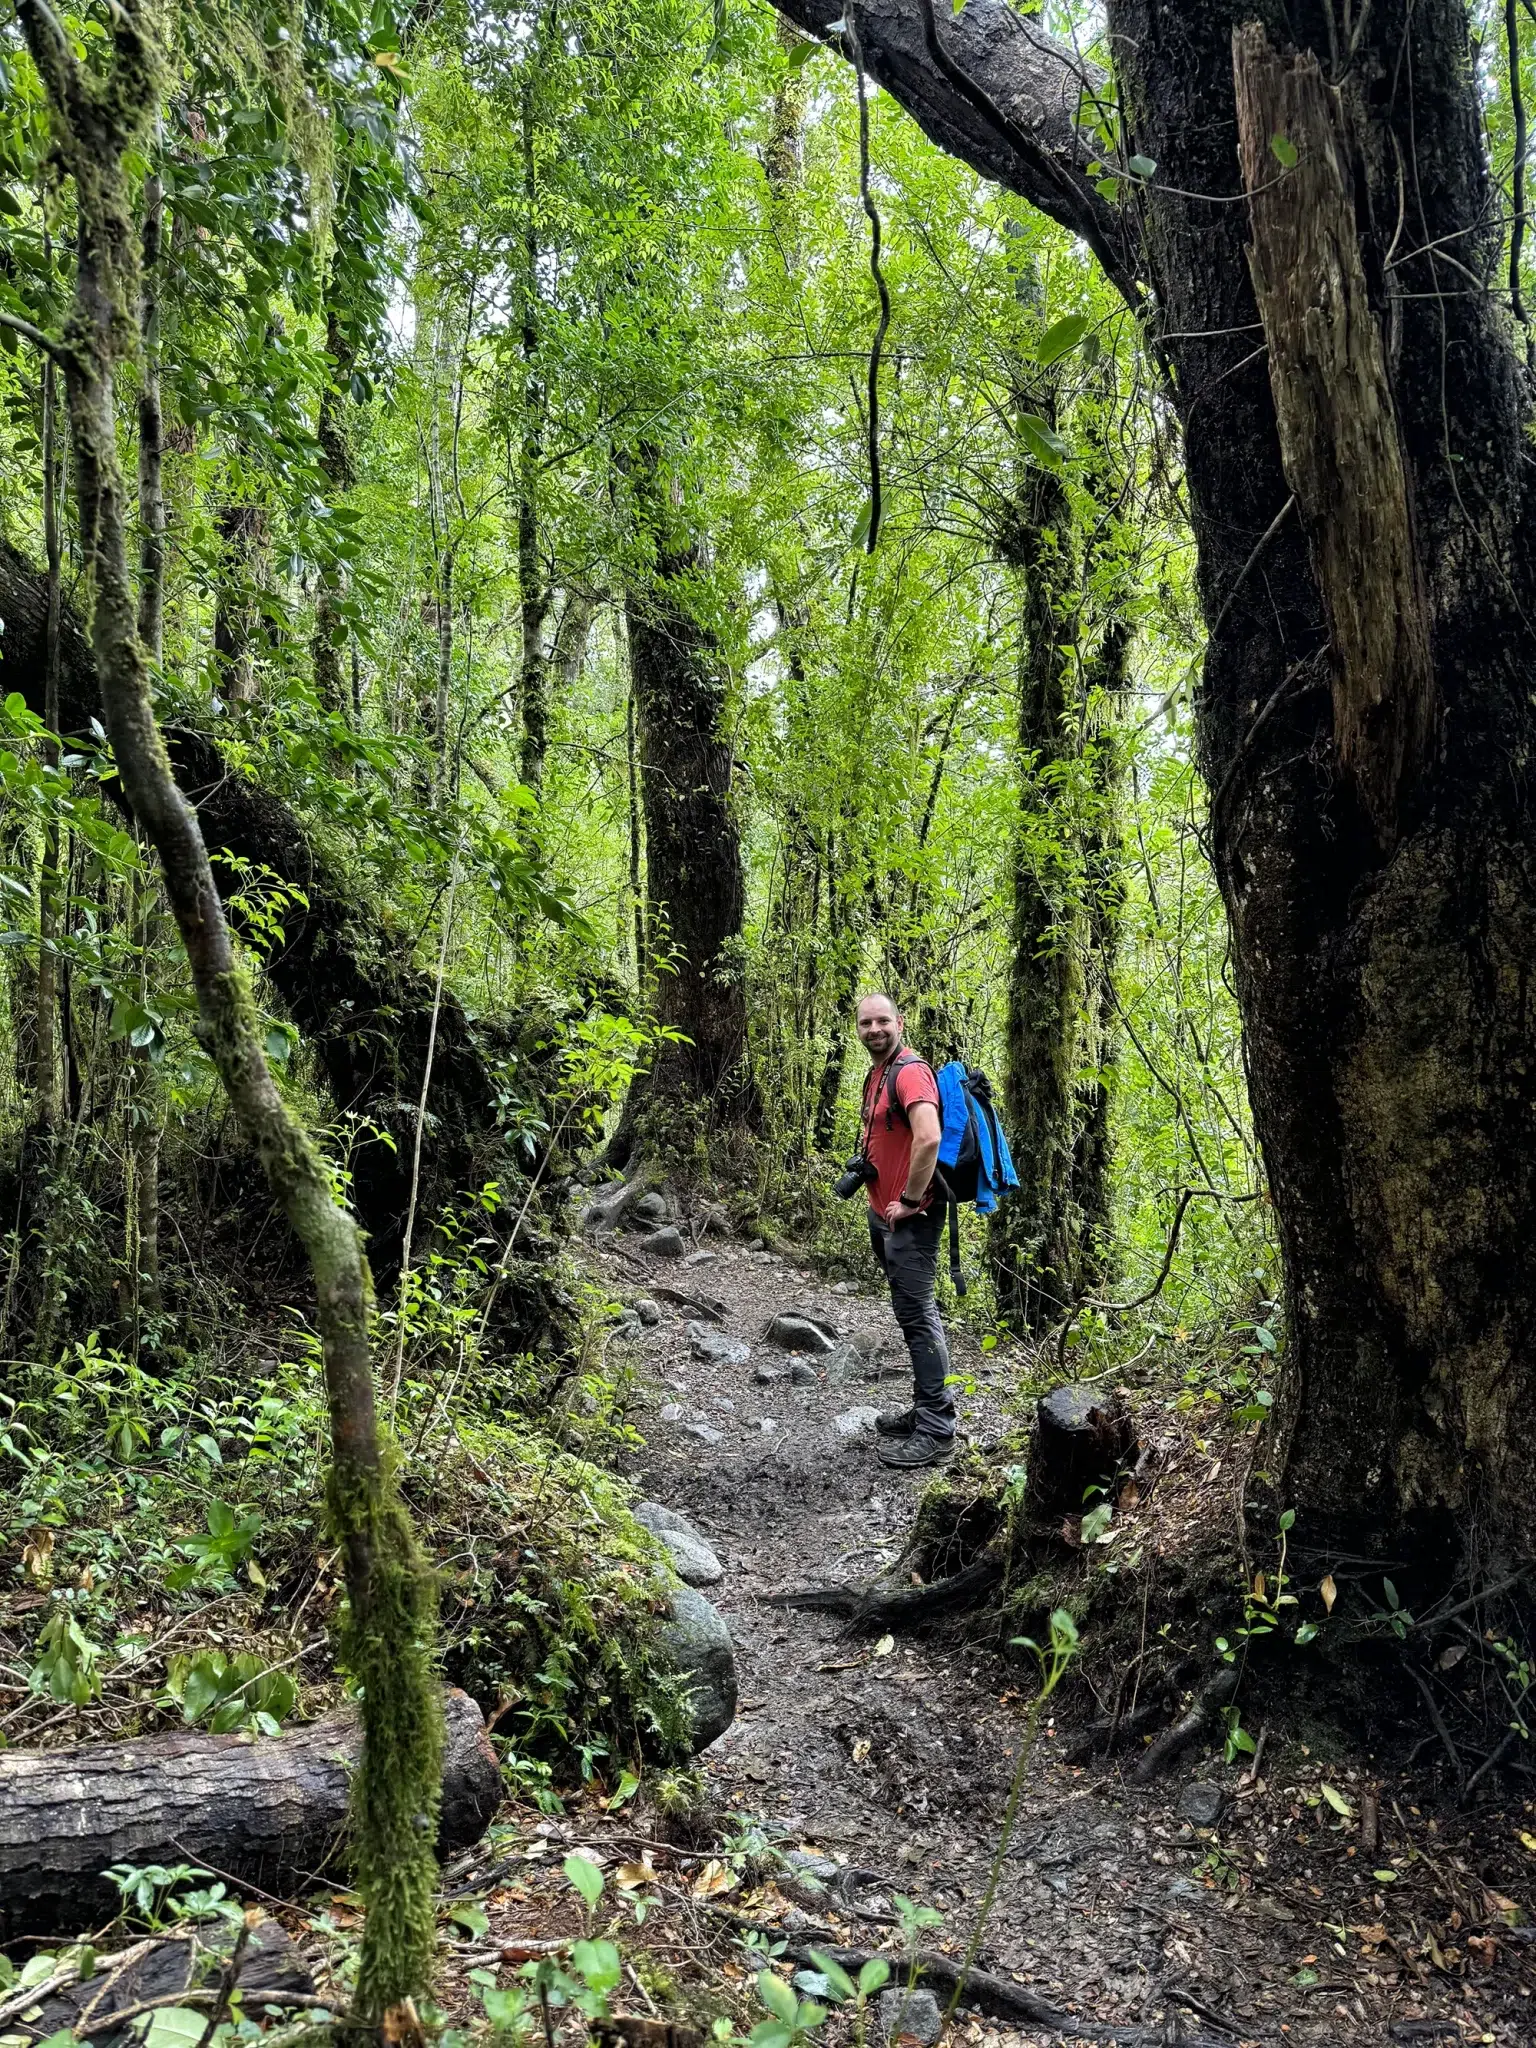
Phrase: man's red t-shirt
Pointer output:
(887, 1135)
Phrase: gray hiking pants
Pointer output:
(909, 1259)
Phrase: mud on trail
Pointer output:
(1280, 1923)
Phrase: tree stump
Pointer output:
(1083, 1437)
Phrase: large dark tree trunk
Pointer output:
(695, 889)
(1366, 717)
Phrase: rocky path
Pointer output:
(1125, 1907)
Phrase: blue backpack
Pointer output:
(975, 1164)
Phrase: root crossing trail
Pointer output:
(895, 1756)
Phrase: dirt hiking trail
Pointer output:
(1275, 1924)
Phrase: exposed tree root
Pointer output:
(869, 1607)
(1188, 1730)
(982, 1992)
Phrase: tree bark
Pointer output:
(1372, 826)
(695, 888)
(1033, 1236)
(337, 466)
(271, 1812)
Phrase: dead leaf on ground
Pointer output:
(860, 1749)
(714, 1878)
(1329, 1591)
(629, 1876)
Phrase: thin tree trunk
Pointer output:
(242, 529)
(1090, 1185)
(337, 467)
(49, 1098)
(530, 569)
(147, 1097)
(1033, 1235)
(636, 834)
(95, 120)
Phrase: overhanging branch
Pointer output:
(1000, 94)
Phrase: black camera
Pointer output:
(856, 1174)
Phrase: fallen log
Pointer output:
(268, 1813)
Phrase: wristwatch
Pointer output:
(911, 1201)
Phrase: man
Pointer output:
(899, 1136)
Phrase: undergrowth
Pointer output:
(164, 1557)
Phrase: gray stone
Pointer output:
(652, 1208)
(664, 1244)
(672, 1411)
(770, 1375)
(846, 1363)
(695, 1561)
(800, 1333)
(846, 1287)
(801, 1374)
(756, 1245)
(909, 2016)
(716, 1347)
(724, 1403)
(703, 1432)
(1202, 1805)
(628, 1327)
(648, 1311)
(701, 1258)
(765, 1423)
(696, 1642)
(1186, 1891)
(854, 1423)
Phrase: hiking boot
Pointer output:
(921, 1447)
(897, 1421)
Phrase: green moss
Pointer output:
(389, 1650)
(553, 1603)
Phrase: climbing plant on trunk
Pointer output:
(98, 115)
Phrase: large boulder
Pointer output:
(697, 1644)
(695, 1562)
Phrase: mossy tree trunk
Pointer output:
(1034, 1235)
(96, 121)
(695, 886)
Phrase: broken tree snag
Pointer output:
(271, 1813)
(1339, 438)
(1083, 1437)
